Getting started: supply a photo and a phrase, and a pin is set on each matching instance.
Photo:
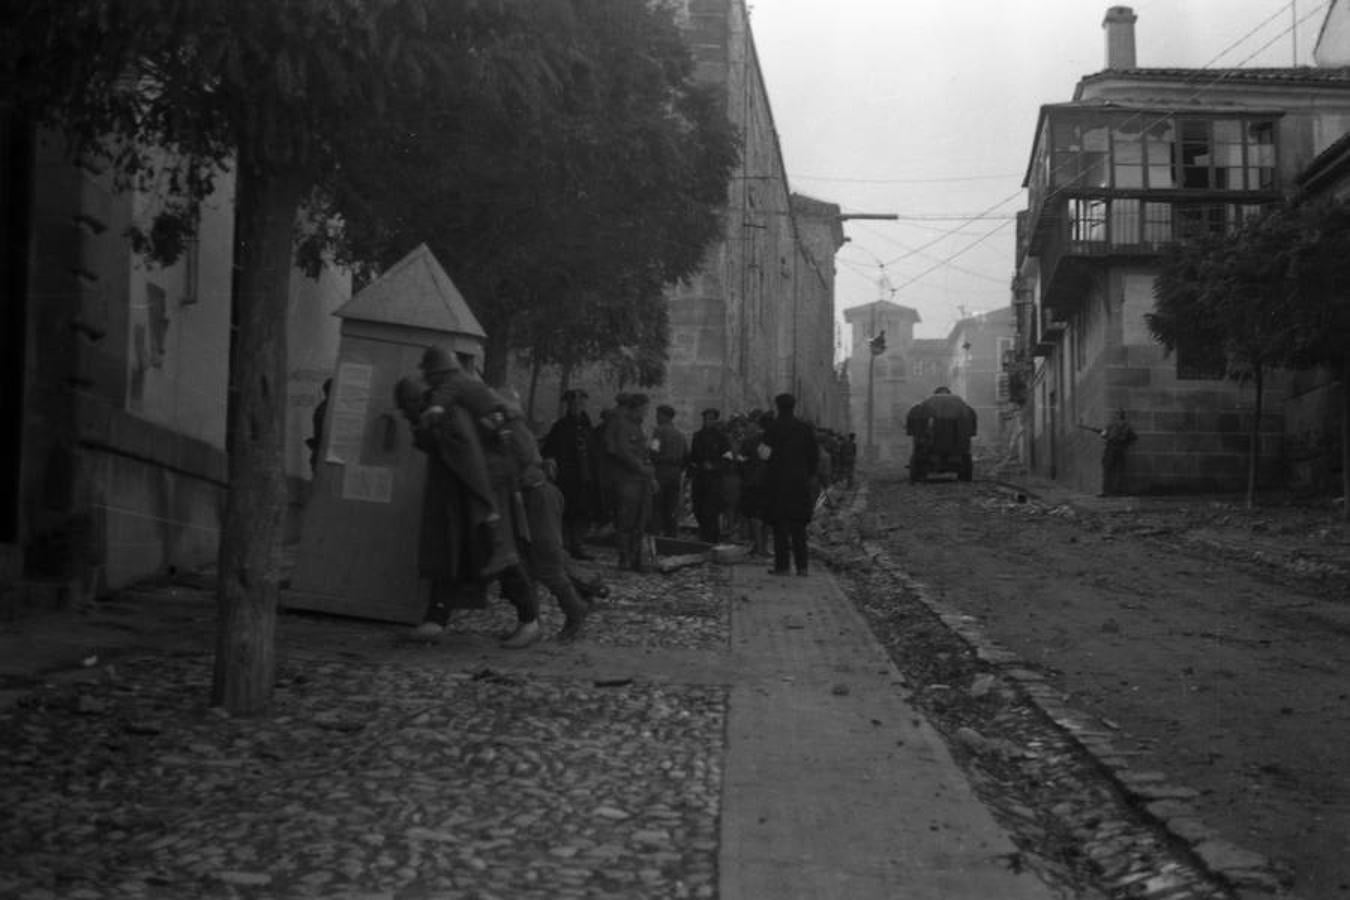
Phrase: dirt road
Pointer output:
(1216, 638)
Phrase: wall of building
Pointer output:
(975, 348)
(1193, 434)
(758, 318)
(123, 461)
(901, 376)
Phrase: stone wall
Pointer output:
(1193, 434)
(123, 464)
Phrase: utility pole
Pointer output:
(877, 343)
(877, 346)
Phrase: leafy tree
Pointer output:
(561, 222)
(273, 90)
(1269, 294)
(1320, 274)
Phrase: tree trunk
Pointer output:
(1345, 438)
(1254, 452)
(250, 540)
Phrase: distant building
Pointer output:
(887, 377)
(978, 346)
(1137, 160)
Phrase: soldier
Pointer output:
(670, 451)
(1116, 437)
(709, 454)
(634, 480)
(320, 412)
(792, 458)
(543, 502)
(571, 444)
(469, 511)
(848, 459)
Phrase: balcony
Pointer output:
(1077, 235)
(1109, 183)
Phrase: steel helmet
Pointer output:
(439, 358)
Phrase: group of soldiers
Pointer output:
(502, 507)
(613, 473)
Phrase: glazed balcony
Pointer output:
(1109, 183)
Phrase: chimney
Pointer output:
(1119, 26)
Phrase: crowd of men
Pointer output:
(501, 506)
(615, 474)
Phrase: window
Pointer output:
(1227, 154)
(1195, 154)
(1157, 223)
(1087, 221)
(1127, 155)
(1124, 222)
(1159, 150)
(1260, 156)
(1228, 166)
(1082, 153)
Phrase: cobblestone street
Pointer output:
(384, 770)
(718, 733)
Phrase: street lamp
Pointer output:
(877, 346)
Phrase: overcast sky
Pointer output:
(925, 108)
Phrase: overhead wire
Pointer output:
(1221, 75)
(938, 180)
(877, 233)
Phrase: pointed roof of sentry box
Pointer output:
(417, 292)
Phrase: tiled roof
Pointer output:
(1287, 75)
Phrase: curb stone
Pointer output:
(1251, 874)
(1160, 800)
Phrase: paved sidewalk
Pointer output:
(834, 787)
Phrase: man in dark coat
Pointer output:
(1116, 437)
(320, 413)
(670, 451)
(790, 474)
(629, 456)
(709, 456)
(470, 471)
(572, 445)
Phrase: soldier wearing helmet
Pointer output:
(469, 528)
